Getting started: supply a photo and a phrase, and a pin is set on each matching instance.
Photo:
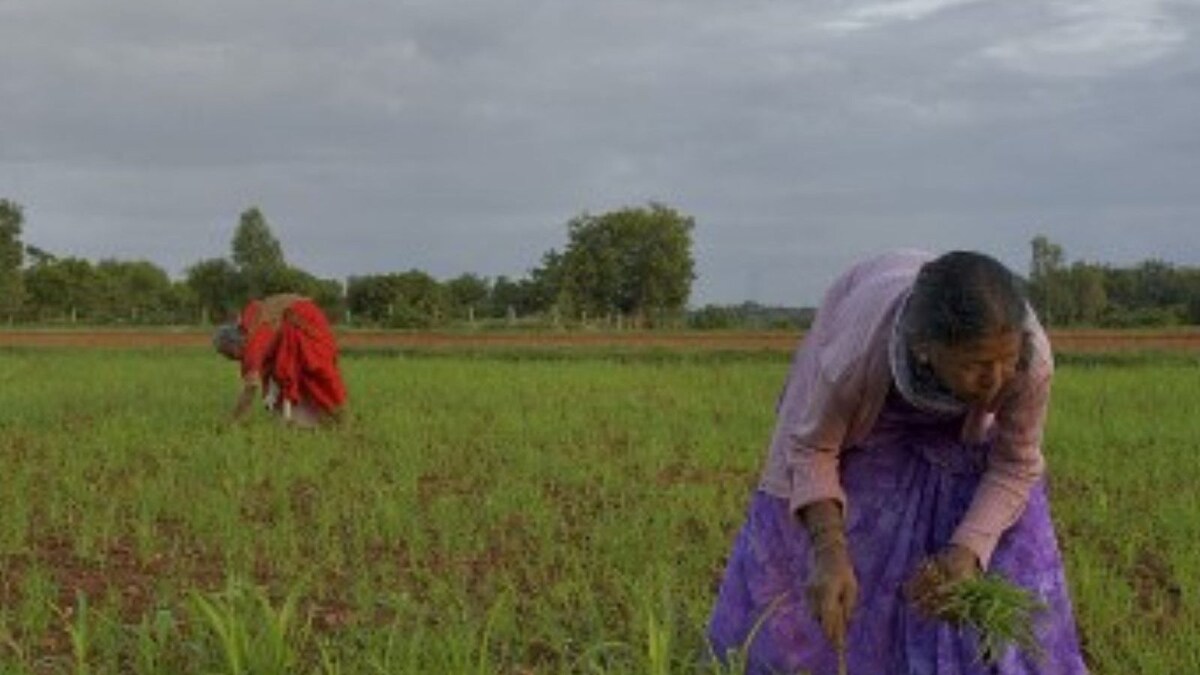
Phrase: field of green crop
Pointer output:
(492, 514)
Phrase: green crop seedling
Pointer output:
(1001, 612)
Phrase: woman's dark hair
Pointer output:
(963, 296)
(228, 336)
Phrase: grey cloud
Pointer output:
(1094, 37)
(460, 136)
(873, 15)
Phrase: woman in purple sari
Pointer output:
(906, 457)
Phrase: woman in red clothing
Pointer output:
(288, 353)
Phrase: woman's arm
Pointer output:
(1015, 464)
(246, 398)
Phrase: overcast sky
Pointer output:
(461, 135)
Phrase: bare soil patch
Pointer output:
(1075, 341)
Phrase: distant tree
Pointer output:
(411, 299)
(1089, 300)
(1119, 286)
(713, 317)
(11, 258)
(467, 296)
(1191, 285)
(519, 298)
(591, 267)
(262, 269)
(182, 305)
(1158, 284)
(135, 291)
(751, 315)
(1152, 293)
(218, 288)
(635, 261)
(508, 297)
(419, 301)
(38, 256)
(1048, 290)
(369, 298)
(257, 254)
(1149, 294)
(62, 289)
(544, 290)
(327, 293)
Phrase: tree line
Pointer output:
(1152, 293)
(628, 267)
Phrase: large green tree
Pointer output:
(636, 262)
(261, 268)
(11, 258)
(257, 254)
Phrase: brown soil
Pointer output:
(778, 341)
(1159, 595)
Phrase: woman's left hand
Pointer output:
(927, 588)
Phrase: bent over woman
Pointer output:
(288, 353)
(906, 457)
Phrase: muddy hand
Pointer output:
(929, 585)
(832, 593)
(832, 587)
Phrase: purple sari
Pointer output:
(907, 485)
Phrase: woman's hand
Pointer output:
(245, 402)
(832, 586)
(927, 588)
(832, 590)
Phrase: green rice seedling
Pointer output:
(736, 660)
(78, 629)
(658, 645)
(36, 608)
(597, 658)
(484, 665)
(1000, 611)
(396, 650)
(153, 638)
(328, 662)
(254, 636)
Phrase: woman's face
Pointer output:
(977, 370)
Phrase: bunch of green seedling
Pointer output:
(1001, 612)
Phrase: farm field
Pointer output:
(541, 512)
